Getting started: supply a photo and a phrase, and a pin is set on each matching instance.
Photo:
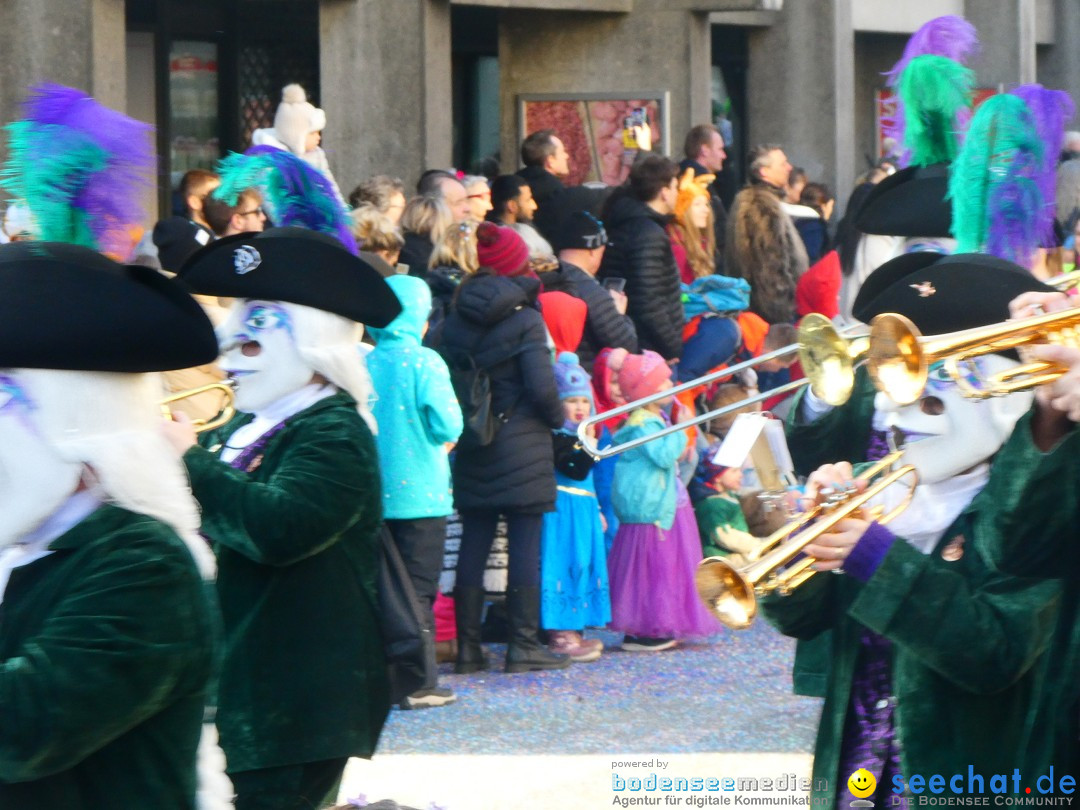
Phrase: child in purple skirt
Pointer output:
(652, 561)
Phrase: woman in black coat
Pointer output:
(494, 321)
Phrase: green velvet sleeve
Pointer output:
(979, 630)
(1034, 529)
(808, 610)
(842, 434)
(324, 481)
(109, 657)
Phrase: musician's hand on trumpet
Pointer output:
(831, 549)
(179, 431)
(1057, 402)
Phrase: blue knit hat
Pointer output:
(570, 378)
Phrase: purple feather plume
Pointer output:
(949, 36)
(110, 198)
(1051, 109)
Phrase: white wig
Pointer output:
(328, 343)
(111, 422)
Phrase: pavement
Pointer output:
(577, 739)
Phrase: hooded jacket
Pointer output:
(639, 250)
(416, 410)
(495, 322)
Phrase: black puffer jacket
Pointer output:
(494, 321)
(639, 250)
(416, 253)
(604, 326)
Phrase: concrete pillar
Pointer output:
(801, 87)
(385, 86)
(660, 46)
(1059, 63)
(1007, 38)
(79, 43)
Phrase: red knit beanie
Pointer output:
(502, 250)
(642, 375)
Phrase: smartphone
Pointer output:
(639, 117)
(615, 283)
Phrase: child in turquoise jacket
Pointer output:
(652, 561)
(419, 421)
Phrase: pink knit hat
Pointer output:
(502, 250)
(642, 375)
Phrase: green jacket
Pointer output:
(842, 434)
(718, 511)
(106, 648)
(304, 677)
(1037, 537)
(969, 650)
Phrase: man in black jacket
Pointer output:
(581, 244)
(639, 250)
(546, 162)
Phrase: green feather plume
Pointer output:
(992, 185)
(53, 182)
(934, 90)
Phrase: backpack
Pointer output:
(472, 385)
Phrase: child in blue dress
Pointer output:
(573, 557)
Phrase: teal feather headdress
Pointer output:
(295, 193)
(80, 168)
(993, 183)
(935, 90)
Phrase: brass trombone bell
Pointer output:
(731, 593)
(828, 359)
(900, 356)
(228, 410)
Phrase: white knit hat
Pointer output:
(296, 117)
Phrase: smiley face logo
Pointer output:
(861, 783)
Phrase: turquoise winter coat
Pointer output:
(416, 410)
(644, 489)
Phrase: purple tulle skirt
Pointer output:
(651, 573)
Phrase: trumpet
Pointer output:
(228, 410)
(731, 593)
(828, 357)
(900, 357)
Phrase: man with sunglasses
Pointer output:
(244, 217)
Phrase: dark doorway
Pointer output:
(730, 60)
(475, 63)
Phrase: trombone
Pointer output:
(731, 593)
(228, 410)
(900, 357)
(828, 358)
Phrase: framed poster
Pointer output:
(590, 125)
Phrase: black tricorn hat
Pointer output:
(297, 265)
(909, 203)
(947, 293)
(68, 307)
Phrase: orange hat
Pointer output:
(690, 188)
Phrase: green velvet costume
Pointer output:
(841, 434)
(1038, 538)
(304, 676)
(106, 649)
(968, 655)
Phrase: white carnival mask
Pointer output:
(260, 353)
(34, 480)
(944, 433)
